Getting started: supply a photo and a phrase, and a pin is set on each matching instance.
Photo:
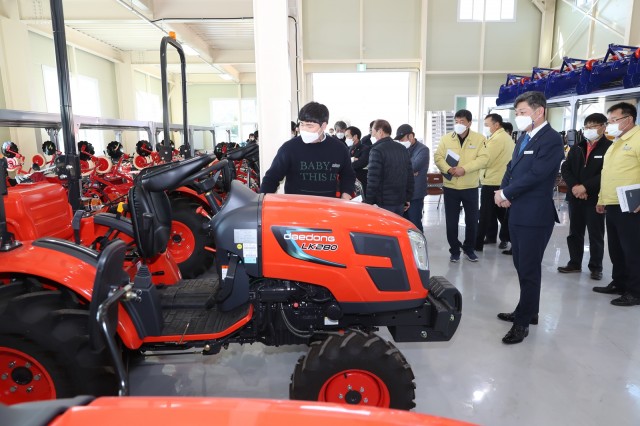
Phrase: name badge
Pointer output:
(471, 147)
(597, 156)
(528, 152)
(626, 148)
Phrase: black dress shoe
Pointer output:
(626, 300)
(509, 252)
(515, 335)
(596, 275)
(488, 241)
(503, 245)
(569, 268)
(609, 289)
(509, 317)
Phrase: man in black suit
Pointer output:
(527, 190)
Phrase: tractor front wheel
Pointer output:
(355, 368)
(44, 347)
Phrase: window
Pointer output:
(233, 119)
(487, 10)
(585, 4)
(479, 112)
(85, 100)
(357, 98)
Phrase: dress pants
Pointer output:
(414, 212)
(489, 212)
(623, 235)
(469, 200)
(361, 175)
(528, 244)
(582, 214)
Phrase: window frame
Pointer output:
(484, 12)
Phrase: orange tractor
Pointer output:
(288, 273)
(290, 269)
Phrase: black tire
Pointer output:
(195, 263)
(363, 355)
(52, 329)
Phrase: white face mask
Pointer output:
(613, 129)
(459, 128)
(308, 137)
(591, 134)
(523, 121)
(374, 139)
(349, 141)
(487, 131)
(340, 135)
(406, 144)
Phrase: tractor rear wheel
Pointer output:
(44, 347)
(189, 239)
(357, 369)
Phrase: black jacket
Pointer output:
(390, 177)
(361, 152)
(577, 171)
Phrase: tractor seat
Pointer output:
(149, 205)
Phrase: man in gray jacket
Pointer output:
(419, 154)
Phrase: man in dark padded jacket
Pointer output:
(313, 163)
(581, 172)
(390, 177)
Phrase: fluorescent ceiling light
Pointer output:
(226, 77)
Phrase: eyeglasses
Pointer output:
(615, 120)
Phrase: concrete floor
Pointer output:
(580, 365)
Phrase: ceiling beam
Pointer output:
(82, 41)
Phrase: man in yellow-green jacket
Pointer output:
(500, 147)
(460, 157)
(621, 167)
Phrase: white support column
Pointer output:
(632, 33)
(545, 55)
(273, 77)
(126, 99)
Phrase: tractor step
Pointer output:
(178, 322)
(190, 294)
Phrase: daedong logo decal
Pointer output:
(296, 241)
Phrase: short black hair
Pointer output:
(340, 125)
(464, 113)
(496, 118)
(354, 131)
(314, 112)
(596, 118)
(371, 124)
(382, 125)
(293, 126)
(508, 127)
(627, 109)
(533, 99)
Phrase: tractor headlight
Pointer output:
(419, 248)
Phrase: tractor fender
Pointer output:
(69, 271)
